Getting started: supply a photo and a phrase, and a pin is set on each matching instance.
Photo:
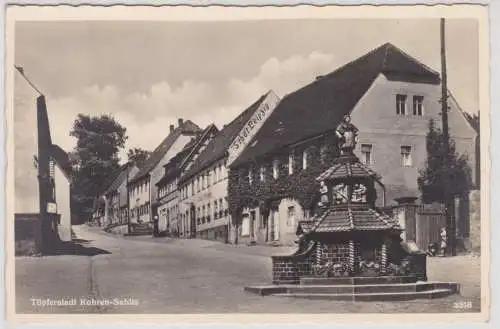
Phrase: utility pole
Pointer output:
(448, 198)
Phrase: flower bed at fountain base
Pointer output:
(298, 276)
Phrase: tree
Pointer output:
(431, 180)
(95, 158)
(137, 155)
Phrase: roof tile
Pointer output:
(217, 147)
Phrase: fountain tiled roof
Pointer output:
(346, 168)
(349, 218)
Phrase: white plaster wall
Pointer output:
(288, 228)
(63, 198)
(379, 125)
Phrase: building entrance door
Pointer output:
(276, 222)
(192, 229)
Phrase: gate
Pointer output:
(430, 218)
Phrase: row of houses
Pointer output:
(252, 181)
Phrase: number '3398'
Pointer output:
(464, 304)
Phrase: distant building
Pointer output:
(116, 205)
(168, 192)
(390, 97)
(99, 211)
(142, 187)
(204, 211)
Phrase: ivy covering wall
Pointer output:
(300, 185)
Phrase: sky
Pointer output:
(149, 74)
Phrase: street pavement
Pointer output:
(161, 275)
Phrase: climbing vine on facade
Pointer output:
(253, 184)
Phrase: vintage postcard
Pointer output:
(247, 164)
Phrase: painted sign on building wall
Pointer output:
(253, 125)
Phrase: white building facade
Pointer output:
(204, 210)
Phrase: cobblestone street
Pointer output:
(196, 276)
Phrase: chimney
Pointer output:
(171, 128)
(181, 121)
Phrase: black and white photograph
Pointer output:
(263, 162)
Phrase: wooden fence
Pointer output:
(429, 219)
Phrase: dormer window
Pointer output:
(290, 162)
(401, 104)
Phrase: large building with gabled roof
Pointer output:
(168, 192)
(390, 97)
(142, 187)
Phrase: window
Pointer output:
(209, 177)
(208, 212)
(418, 105)
(262, 173)
(198, 184)
(290, 163)
(366, 154)
(406, 160)
(322, 152)
(304, 160)
(214, 176)
(216, 208)
(400, 104)
(276, 172)
(250, 175)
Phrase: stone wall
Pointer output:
(27, 234)
(289, 269)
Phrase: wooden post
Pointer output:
(352, 256)
(319, 253)
(384, 258)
